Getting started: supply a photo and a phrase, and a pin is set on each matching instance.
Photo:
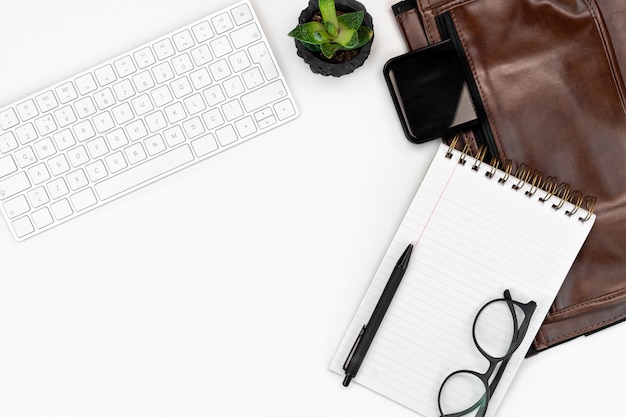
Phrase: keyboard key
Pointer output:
(220, 46)
(143, 173)
(38, 174)
(44, 148)
(214, 95)
(142, 105)
(104, 98)
(8, 119)
(232, 110)
(181, 87)
(85, 107)
(200, 78)
(263, 96)
(65, 116)
(222, 23)
(220, 70)
(136, 130)
(42, 218)
(239, 61)
(116, 139)
(105, 75)
(61, 209)
(76, 179)
(83, 199)
(7, 166)
(163, 72)
(284, 109)
(233, 86)
(156, 121)
(96, 171)
(78, 156)
(64, 139)
(144, 57)
(115, 162)
(201, 55)
(123, 90)
(204, 145)
(45, 125)
(143, 81)
(123, 113)
(213, 118)
(183, 40)
(26, 133)
(174, 136)
(226, 135)
(46, 101)
(7, 142)
(154, 145)
(27, 110)
(175, 113)
(241, 14)
(202, 31)
(84, 130)
(86, 84)
(245, 36)
(135, 153)
(58, 165)
(57, 188)
(164, 49)
(25, 157)
(194, 104)
(66, 92)
(182, 64)
(97, 148)
(22, 227)
(193, 127)
(261, 55)
(125, 66)
(245, 127)
(16, 206)
(37, 197)
(253, 78)
(103, 122)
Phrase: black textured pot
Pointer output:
(319, 63)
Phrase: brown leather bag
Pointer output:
(548, 80)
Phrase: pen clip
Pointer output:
(356, 343)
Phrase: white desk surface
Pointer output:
(224, 289)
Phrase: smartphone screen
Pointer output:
(430, 93)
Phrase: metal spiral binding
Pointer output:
(533, 177)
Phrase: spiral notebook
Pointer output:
(477, 231)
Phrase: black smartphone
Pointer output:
(429, 92)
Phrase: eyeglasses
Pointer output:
(464, 392)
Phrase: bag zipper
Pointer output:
(482, 132)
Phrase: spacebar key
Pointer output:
(144, 173)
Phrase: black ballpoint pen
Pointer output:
(367, 333)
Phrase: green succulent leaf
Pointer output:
(329, 13)
(351, 20)
(332, 30)
(348, 38)
(328, 49)
(312, 47)
(311, 32)
(365, 35)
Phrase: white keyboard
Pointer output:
(163, 106)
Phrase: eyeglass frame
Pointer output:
(519, 334)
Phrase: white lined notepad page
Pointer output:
(475, 237)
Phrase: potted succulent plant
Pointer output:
(334, 36)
